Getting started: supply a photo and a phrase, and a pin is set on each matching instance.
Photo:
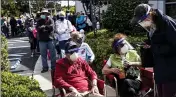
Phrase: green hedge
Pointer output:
(13, 85)
(4, 54)
(119, 14)
(101, 46)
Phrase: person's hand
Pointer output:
(95, 90)
(47, 26)
(146, 46)
(126, 64)
(89, 62)
(43, 26)
(74, 92)
(115, 70)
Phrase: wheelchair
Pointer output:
(148, 84)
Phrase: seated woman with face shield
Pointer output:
(85, 51)
(119, 64)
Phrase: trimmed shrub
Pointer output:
(4, 54)
(101, 47)
(119, 14)
(14, 85)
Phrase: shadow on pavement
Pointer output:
(27, 62)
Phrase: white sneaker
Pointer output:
(32, 55)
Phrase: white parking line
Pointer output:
(11, 44)
(17, 54)
(24, 38)
(18, 47)
(16, 42)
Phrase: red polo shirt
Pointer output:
(73, 74)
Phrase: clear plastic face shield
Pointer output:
(145, 21)
(146, 24)
(123, 45)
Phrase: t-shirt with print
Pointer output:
(86, 53)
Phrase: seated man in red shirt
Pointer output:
(73, 73)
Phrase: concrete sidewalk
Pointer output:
(44, 79)
(45, 82)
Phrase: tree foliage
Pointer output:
(39, 5)
(18, 7)
(71, 9)
(8, 7)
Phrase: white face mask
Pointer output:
(124, 49)
(74, 56)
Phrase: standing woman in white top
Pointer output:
(84, 49)
(63, 28)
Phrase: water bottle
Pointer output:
(98, 25)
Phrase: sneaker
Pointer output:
(32, 55)
(44, 70)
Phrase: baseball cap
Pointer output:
(140, 13)
(71, 47)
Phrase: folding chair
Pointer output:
(111, 78)
(148, 82)
(53, 87)
(63, 92)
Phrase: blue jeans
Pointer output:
(44, 46)
(62, 44)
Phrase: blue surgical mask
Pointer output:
(43, 16)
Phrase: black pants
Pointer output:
(167, 90)
(13, 31)
(33, 43)
(38, 48)
(58, 49)
(119, 82)
(128, 87)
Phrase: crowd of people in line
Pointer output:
(72, 71)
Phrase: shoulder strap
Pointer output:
(68, 24)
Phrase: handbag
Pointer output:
(132, 72)
(34, 31)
